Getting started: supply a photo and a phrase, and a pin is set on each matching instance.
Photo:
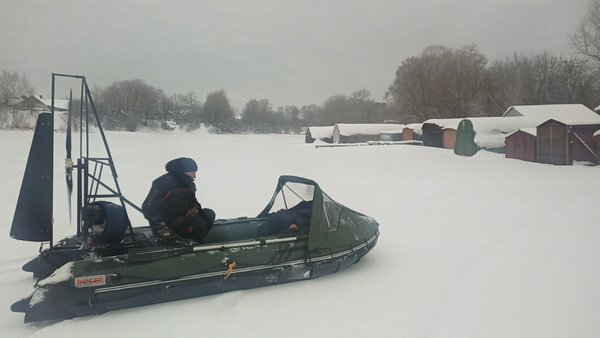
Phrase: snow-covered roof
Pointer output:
(348, 129)
(501, 124)
(321, 132)
(530, 131)
(446, 123)
(566, 113)
(58, 103)
(416, 127)
(62, 104)
(490, 132)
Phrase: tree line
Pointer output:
(440, 82)
(130, 104)
(445, 83)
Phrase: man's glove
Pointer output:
(165, 233)
(192, 212)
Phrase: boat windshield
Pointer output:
(292, 194)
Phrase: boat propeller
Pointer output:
(68, 160)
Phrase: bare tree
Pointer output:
(440, 82)
(217, 110)
(292, 116)
(586, 39)
(13, 85)
(184, 109)
(573, 82)
(335, 110)
(542, 79)
(310, 114)
(363, 109)
(257, 115)
(509, 82)
(130, 103)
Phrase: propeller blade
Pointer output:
(68, 145)
(68, 160)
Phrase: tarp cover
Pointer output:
(332, 225)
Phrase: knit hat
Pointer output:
(188, 165)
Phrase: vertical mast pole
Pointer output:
(52, 157)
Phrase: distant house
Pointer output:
(22, 112)
(30, 103)
(37, 103)
(15, 100)
(357, 133)
(324, 134)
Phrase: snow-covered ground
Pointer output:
(469, 247)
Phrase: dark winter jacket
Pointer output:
(171, 195)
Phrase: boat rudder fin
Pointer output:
(32, 220)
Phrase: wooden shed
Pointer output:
(553, 144)
(433, 135)
(449, 138)
(323, 133)
(521, 144)
(584, 145)
(408, 134)
(358, 133)
(440, 133)
(436, 136)
(412, 131)
(560, 143)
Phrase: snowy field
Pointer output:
(469, 247)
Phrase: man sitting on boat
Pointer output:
(171, 206)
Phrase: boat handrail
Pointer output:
(246, 243)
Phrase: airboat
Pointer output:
(109, 264)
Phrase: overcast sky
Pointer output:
(293, 52)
